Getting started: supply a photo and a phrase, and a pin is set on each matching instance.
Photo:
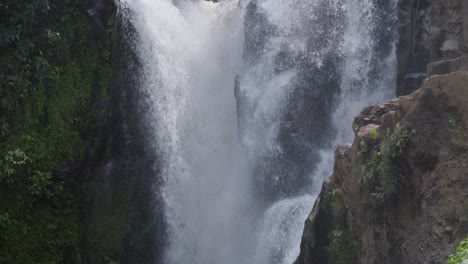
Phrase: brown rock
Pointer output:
(448, 66)
(427, 217)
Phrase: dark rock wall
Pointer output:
(122, 211)
(431, 38)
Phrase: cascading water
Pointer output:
(245, 101)
(190, 54)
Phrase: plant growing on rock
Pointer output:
(49, 66)
(461, 255)
(383, 170)
(9, 163)
(374, 134)
(333, 202)
(342, 247)
(458, 136)
(363, 147)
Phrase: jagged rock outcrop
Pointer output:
(398, 194)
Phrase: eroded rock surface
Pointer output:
(400, 190)
(433, 38)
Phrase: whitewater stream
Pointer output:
(246, 102)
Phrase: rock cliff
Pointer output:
(398, 193)
(431, 40)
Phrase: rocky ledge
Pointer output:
(399, 193)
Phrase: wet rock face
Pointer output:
(122, 199)
(100, 11)
(426, 216)
(431, 31)
(411, 82)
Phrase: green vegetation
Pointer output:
(374, 134)
(458, 136)
(461, 255)
(363, 147)
(355, 127)
(333, 202)
(48, 66)
(342, 247)
(383, 171)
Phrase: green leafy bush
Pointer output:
(461, 255)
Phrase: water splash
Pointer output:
(190, 52)
(280, 232)
(240, 176)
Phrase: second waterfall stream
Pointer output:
(245, 102)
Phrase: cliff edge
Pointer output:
(398, 194)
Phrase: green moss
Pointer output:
(105, 74)
(42, 234)
(108, 223)
(374, 134)
(48, 67)
(342, 247)
(333, 202)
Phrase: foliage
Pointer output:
(48, 67)
(461, 255)
(363, 147)
(9, 164)
(356, 127)
(333, 202)
(374, 134)
(383, 171)
(342, 247)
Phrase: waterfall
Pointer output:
(244, 102)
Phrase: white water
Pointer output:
(190, 53)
